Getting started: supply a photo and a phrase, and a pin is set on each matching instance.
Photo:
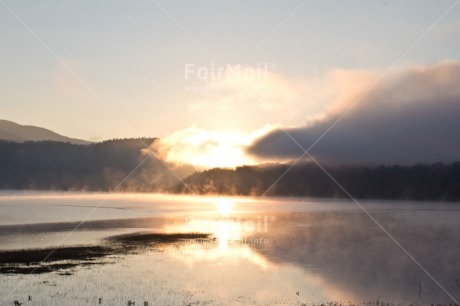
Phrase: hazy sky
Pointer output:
(105, 69)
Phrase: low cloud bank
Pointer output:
(412, 116)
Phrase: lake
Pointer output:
(256, 251)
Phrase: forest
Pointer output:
(437, 182)
(125, 165)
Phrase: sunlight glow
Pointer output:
(230, 235)
(208, 149)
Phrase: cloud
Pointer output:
(219, 103)
(412, 116)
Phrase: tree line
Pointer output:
(418, 182)
(109, 165)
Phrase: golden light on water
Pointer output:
(231, 233)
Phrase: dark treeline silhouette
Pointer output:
(50, 165)
(419, 182)
(109, 165)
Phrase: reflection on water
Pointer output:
(231, 240)
(261, 252)
(233, 235)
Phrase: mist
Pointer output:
(353, 253)
(412, 116)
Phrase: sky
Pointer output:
(218, 76)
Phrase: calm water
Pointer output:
(265, 252)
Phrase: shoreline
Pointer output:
(38, 261)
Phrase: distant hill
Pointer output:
(112, 165)
(12, 131)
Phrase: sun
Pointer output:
(218, 149)
(206, 149)
(222, 156)
(225, 206)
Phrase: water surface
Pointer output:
(262, 251)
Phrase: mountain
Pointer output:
(12, 131)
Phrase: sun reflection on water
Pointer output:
(233, 237)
